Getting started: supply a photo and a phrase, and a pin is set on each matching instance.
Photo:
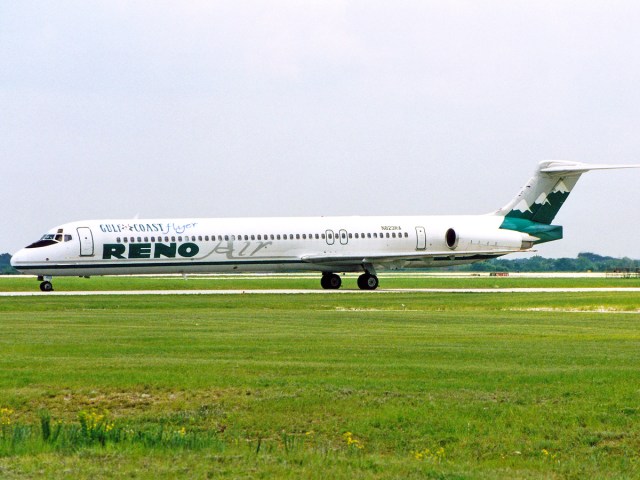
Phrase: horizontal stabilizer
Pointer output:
(561, 167)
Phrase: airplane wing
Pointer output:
(355, 260)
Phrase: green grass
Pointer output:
(306, 281)
(267, 386)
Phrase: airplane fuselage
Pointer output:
(101, 247)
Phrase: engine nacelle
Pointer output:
(486, 240)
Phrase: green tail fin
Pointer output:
(539, 201)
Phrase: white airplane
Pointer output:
(330, 245)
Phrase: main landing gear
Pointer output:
(330, 281)
(46, 285)
(366, 281)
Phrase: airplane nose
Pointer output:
(17, 258)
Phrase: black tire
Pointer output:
(367, 281)
(46, 287)
(330, 281)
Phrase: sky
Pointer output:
(154, 109)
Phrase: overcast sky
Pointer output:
(117, 109)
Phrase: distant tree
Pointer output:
(5, 264)
(594, 257)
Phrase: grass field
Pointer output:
(400, 385)
(307, 281)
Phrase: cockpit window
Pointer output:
(50, 239)
(43, 242)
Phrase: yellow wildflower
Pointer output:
(5, 416)
(352, 442)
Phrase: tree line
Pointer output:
(5, 266)
(584, 262)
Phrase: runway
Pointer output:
(319, 292)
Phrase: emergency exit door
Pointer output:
(421, 236)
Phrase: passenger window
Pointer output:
(146, 239)
(226, 237)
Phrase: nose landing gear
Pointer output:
(46, 285)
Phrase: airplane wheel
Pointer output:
(46, 287)
(331, 281)
(367, 281)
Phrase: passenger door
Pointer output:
(86, 241)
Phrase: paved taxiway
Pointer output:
(302, 292)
